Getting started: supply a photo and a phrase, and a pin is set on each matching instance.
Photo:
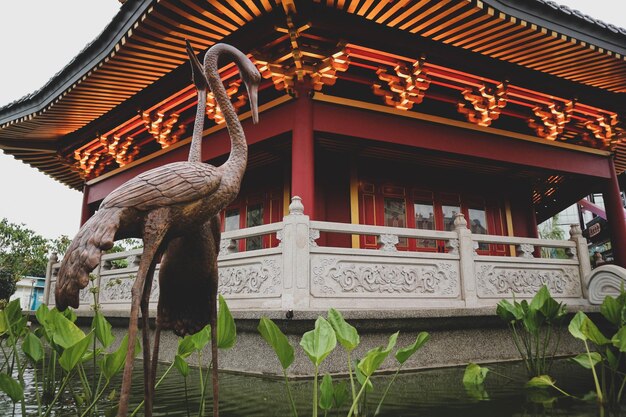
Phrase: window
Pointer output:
(254, 217)
(449, 213)
(395, 215)
(424, 220)
(478, 224)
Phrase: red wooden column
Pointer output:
(84, 214)
(615, 217)
(302, 150)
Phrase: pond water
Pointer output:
(429, 393)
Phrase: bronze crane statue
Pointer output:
(173, 208)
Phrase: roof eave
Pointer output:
(85, 61)
(574, 24)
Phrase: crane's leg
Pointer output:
(213, 286)
(154, 232)
(155, 356)
(145, 333)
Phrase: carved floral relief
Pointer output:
(332, 276)
(495, 281)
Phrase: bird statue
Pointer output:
(174, 209)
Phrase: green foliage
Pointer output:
(474, 374)
(346, 334)
(318, 343)
(532, 329)
(226, 329)
(22, 251)
(277, 340)
(11, 387)
(606, 362)
(402, 355)
(551, 230)
(8, 284)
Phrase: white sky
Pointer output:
(37, 39)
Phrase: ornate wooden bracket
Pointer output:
(301, 61)
(162, 128)
(404, 89)
(89, 163)
(483, 105)
(603, 128)
(214, 112)
(121, 149)
(552, 120)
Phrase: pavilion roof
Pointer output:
(145, 43)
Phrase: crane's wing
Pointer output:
(170, 184)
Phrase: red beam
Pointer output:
(399, 130)
(274, 122)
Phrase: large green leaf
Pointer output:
(611, 309)
(362, 378)
(540, 298)
(64, 332)
(474, 374)
(532, 320)
(226, 329)
(113, 363)
(277, 340)
(619, 339)
(32, 347)
(102, 328)
(186, 346)
(575, 326)
(11, 387)
(375, 357)
(319, 342)
(541, 381)
(509, 312)
(72, 355)
(201, 338)
(346, 334)
(181, 365)
(588, 360)
(14, 318)
(592, 332)
(402, 355)
(326, 393)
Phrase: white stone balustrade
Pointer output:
(302, 274)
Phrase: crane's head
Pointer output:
(197, 72)
(251, 78)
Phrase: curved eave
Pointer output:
(88, 59)
(566, 21)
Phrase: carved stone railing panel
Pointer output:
(366, 276)
(251, 277)
(606, 280)
(504, 279)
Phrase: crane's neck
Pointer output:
(195, 150)
(235, 166)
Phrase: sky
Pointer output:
(37, 39)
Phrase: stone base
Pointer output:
(458, 336)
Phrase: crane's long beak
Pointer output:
(254, 106)
(197, 71)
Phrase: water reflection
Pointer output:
(432, 393)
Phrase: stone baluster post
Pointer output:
(52, 259)
(295, 242)
(582, 253)
(466, 261)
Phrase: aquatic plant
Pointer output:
(57, 352)
(533, 327)
(606, 362)
(319, 343)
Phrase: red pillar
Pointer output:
(615, 217)
(302, 149)
(84, 214)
